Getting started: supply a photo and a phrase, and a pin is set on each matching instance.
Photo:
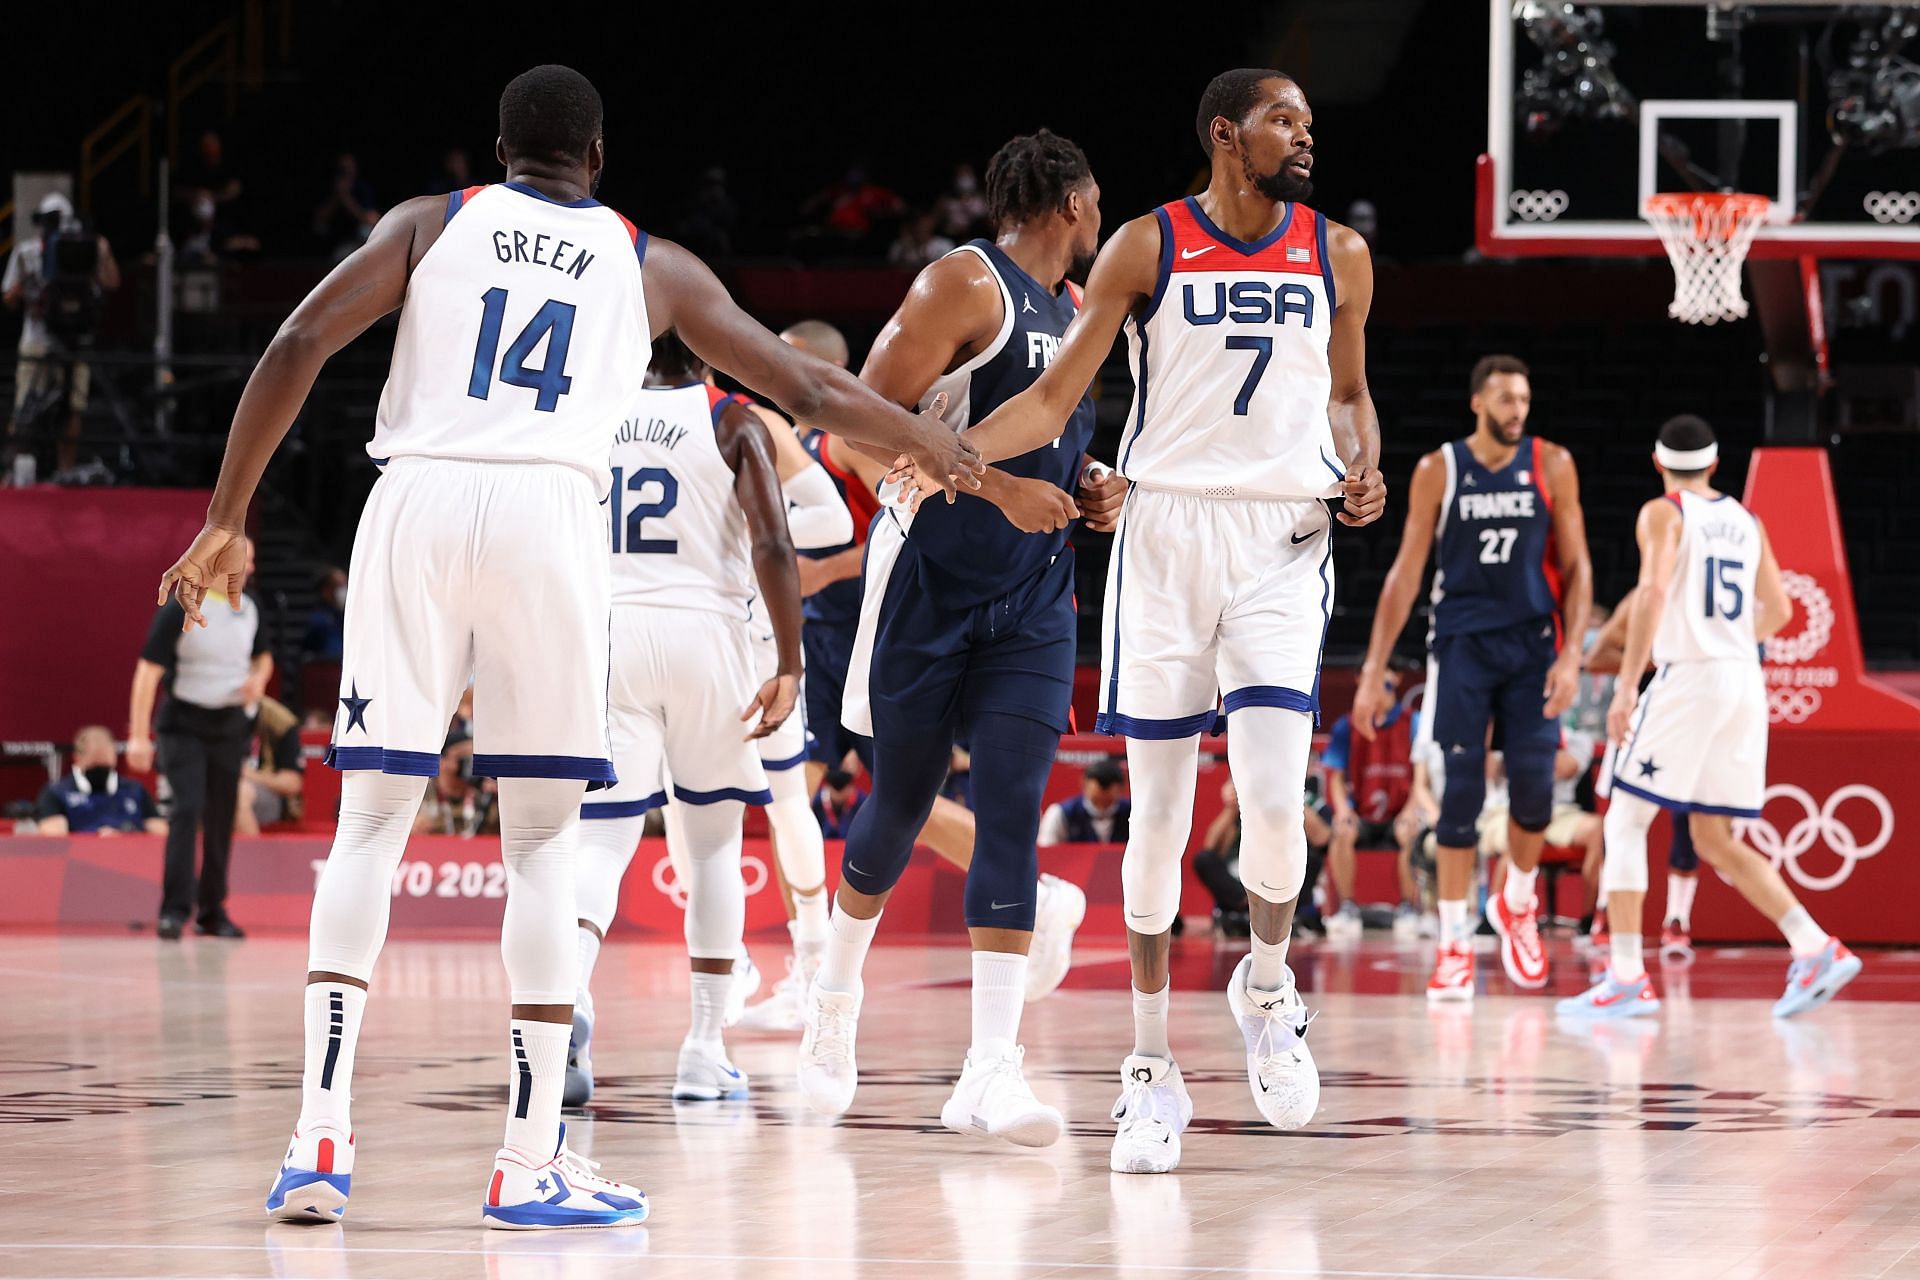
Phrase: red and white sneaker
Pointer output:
(1676, 943)
(1452, 974)
(1521, 952)
(315, 1177)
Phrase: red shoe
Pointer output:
(1521, 950)
(1598, 938)
(1452, 974)
(1676, 944)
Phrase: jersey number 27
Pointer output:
(550, 380)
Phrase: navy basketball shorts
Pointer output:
(1493, 680)
(828, 648)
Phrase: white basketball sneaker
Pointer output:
(1280, 1070)
(706, 1074)
(314, 1177)
(781, 1010)
(1059, 907)
(526, 1194)
(746, 981)
(578, 1089)
(828, 1076)
(1153, 1111)
(991, 1100)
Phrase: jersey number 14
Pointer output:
(550, 380)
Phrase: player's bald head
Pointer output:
(819, 339)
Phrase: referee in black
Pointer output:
(214, 678)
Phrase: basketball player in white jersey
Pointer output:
(482, 552)
(698, 521)
(1695, 743)
(1245, 312)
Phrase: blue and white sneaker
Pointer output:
(707, 1075)
(578, 1088)
(1611, 998)
(1816, 979)
(525, 1195)
(314, 1177)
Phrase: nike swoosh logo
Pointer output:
(854, 866)
(1274, 887)
(1194, 253)
(1299, 538)
(1139, 915)
(1605, 1001)
(1002, 906)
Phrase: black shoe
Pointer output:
(221, 928)
(170, 927)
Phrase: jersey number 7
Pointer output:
(550, 380)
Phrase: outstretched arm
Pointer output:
(1350, 411)
(1123, 277)
(1658, 533)
(1371, 699)
(368, 285)
(683, 295)
(747, 448)
(1576, 577)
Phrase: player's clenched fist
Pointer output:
(1365, 493)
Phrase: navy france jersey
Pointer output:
(1495, 562)
(838, 603)
(975, 550)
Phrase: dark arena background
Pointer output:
(180, 176)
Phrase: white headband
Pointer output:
(1685, 459)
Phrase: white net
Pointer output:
(1707, 235)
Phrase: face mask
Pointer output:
(98, 776)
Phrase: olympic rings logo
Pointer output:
(1538, 206)
(1891, 206)
(752, 869)
(1794, 706)
(1818, 823)
(1816, 607)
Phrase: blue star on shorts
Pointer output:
(1648, 768)
(356, 708)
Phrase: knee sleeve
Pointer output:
(540, 842)
(355, 892)
(606, 849)
(1012, 759)
(1530, 789)
(1161, 777)
(1267, 752)
(797, 841)
(716, 898)
(1628, 818)
(1681, 855)
(906, 778)
(1462, 796)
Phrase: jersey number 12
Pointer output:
(550, 380)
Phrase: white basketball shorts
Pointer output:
(1212, 598)
(786, 747)
(489, 572)
(1699, 740)
(681, 678)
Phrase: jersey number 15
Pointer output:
(1724, 595)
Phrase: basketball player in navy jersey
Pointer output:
(967, 625)
(483, 551)
(1511, 579)
(1246, 312)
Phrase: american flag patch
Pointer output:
(1296, 255)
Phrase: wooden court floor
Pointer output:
(146, 1091)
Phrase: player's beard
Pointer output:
(1281, 185)
(1082, 264)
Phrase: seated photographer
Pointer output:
(92, 798)
(58, 276)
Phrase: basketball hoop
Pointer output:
(1707, 235)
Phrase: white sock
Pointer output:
(1518, 890)
(1269, 971)
(1680, 891)
(1803, 935)
(999, 994)
(333, 1012)
(810, 919)
(1628, 963)
(1453, 922)
(537, 1068)
(846, 953)
(589, 956)
(709, 1006)
(1150, 1023)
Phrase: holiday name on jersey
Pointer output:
(518, 246)
(653, 431)
(1511, 505)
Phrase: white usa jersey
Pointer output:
(1710, 602)
(524, 333)
(679, 536)
(1230, 369)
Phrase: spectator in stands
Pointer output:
(458, 804)
(327, 624)
(348, 213)
(918, 243)
(208, 194)
(838, 799)
(213, 677)
(851, 212)
(1371, 804)
(1100, 814)
(455, 174)
(48, 384)
(708, 220)
(92, 798)
(961, 211)
(271, 779)
(1217, 866)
